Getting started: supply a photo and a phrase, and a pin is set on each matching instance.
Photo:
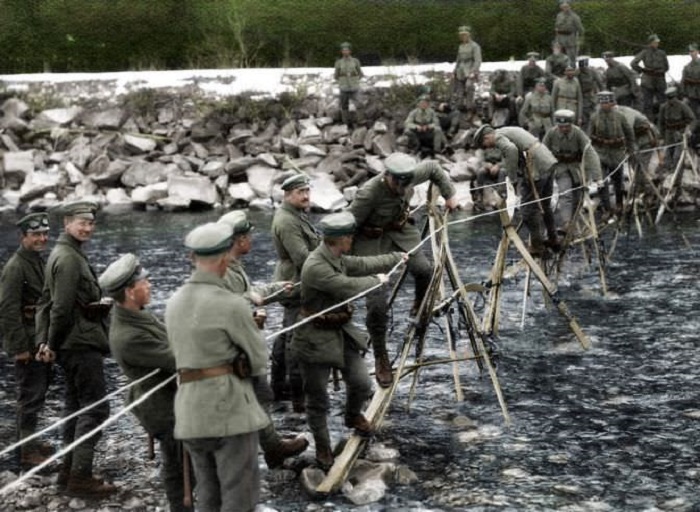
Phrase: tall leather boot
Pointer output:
(382, 369)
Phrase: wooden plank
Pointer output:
(491, 320)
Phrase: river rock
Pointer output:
(118, 196)
(462, 171)
(368, 482)
(111, 175)
(183, 189)
(110, 119)
(18, 163)
(149, 194)
(335, 132)
(261, 204)
(137, 144)
(205, 130)
(56, 117)
(310, 150)
(310, 134)
(240, 135)
(463, 195)
(326, 196)
(375, 165)
(213, 168)
(199, 150)
(260, 179)
(38, 183)
(98, 165)
(79, 152)
(383, 144)
(239, 166)
(147, 173)
(15, 125)
(241, 193)
(14, 107)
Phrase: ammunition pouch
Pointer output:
(95, 311)
(241, 366)
(330, 320)
(568, 159)
(611, 143)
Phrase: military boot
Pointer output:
(324, 455)
(87, 486)
(285, 448)
(382, 370)
(358, 422)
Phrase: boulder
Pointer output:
(383, 144)
(326, 196)
(267, 159)
(375, 165)
(198, 189)
(38, 183)
(80, 152)
(241, 193)
(261, 204)
(380, 127)
(149, 194)
(463, 195)
(261, 179)
(110, 119)
(14, 107)
(311, 134)
(239, 166)
(118, 196)
(137, 144)
(146, 173)
(98, 165)
(214, 168)
(462, 171)
(174, 204)
(322, 122)
(240, 135)
(205, 130)
(111, 175)
(56, 117)
(199, 150)
(18, 163)
(310, 150)
(335, 132)
(75, 176)
(14, 124)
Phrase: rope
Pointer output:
(76, 413)
(83, 438)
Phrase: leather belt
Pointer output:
(186, 375)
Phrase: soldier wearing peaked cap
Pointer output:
(690, 81)
(348, 73)
(275, 449)
(422, 127)
(528, 76)
(653, 75)
(568, 30)
(466, 72)
(218, 349)
(294, 237)
(577, 164)
(139, 344)
(536, 113)
(329, 276)
(381, 211)
(555, 64)
(621, 80)
(531, 165)
(21, 284)
(568, 95)
(72, 328)
(674, 118)
(591, 82)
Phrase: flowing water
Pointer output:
(613, 428)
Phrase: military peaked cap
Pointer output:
(296, 181)
(692, 47)
(34, 223)
(82, 209)
(210, 238)
(564, 116)
(345, 46)
(121, 273)
(238, 220)
(653, 38)
(606, 97)
(479, 135)
(400, 165)
(338, 224)
(465, 29)
(533, 55)
(608, 55)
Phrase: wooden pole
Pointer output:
(526, 293)
(489, 324)
(669, 194)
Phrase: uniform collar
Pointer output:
(66, 239)
(133, 316)
(335, 261)
(292, 209)
(204, 277)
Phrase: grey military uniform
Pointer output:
(527, 78)
(567, 94)
(653, 78)
(347, 73)
(623, 82)
(690, 85)
(536, 113)
(591, 84)
(674, 118)
(422, 126)
(612, 137)
(466, 70)
(568, 28)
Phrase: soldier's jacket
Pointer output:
(468, 60)
(690, 82)
(527, 78)
(536, 112)
(208, 326)
(348, 73)
(674, 118)
(611, 135)
(567, 94)
(590, 80)
(422, 117)
(568, 24)
(513, 142)
(571, 150)
(327, 280)
(555, 64)
(376, 206)
(294, 237)
(238, 282)
(139, 344)
(21, 283)
(70, 284)
(655, 65)
(646, 134)
(504, 85)
(492, 155)
(621, 80)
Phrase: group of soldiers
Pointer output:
(217, 414)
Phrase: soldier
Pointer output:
(139, 344)
(653, 75)
(568, 30)
(449, 119)
(534, 176)
(347, 73)
(646, 136)
(674, 117)
(502, 96)
(217, 348)
(275, 449)
(529, 75)
(591, 84)
(490, 174)
(612, 138)
(422, 127)
(381, 211)
(21, 284)
(328, 277)
(536, 113)
(621, 80)
(72, 329)
(466, 72)
(294, 237)
(575, 155)
(555, 65)
(567, 94)
(690, 81)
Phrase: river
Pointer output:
(612, 428)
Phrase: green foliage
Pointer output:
(101, 35)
